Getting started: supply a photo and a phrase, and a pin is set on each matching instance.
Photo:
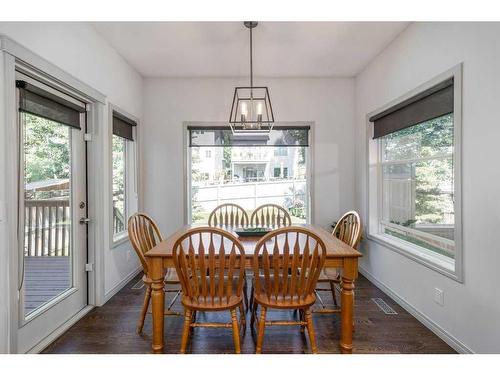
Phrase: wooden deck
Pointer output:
(45, 277)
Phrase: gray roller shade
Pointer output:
(122, 126)
(435, 102)
(39, 102)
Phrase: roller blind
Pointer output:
(221, 136)
(434, 102)
(122, 126)
(39, 102)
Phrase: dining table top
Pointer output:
(335, 248)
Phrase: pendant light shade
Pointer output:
(251, 111)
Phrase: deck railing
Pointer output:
(118, 221)
(47, 227)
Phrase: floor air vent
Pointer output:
(138, 285)
(388, 310)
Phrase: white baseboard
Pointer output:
(121, 284)
(456, 344)
(60, 330)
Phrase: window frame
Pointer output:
(131, 203)
(374, 183)
(187, 164)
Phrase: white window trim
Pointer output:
(187, 165)
(428, 258)
(131, 176)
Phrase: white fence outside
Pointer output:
(251, 195)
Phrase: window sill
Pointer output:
(119, 239)
(425, 257)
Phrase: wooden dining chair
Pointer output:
(144, 235)
(210, 264)
(228, 214)
(287, 262)
(348, 230)
(271, 216)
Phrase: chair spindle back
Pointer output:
(348, 229)
(289, 261)
(208, 262)
(228, 214)
(270, 215)
(144, 235)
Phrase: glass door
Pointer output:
(53, 284)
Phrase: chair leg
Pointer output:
(302, 319)
(245, 294)
(251, 297)
(144, 310)
(332, 287)
(319, 299)
(193, 320)
(243, 319)
(185, 330)
(262, 326)
(252, 318)
(173, 300)
(236, 331)
(310, 330)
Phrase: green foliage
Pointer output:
(226, 158)
(196, 209)
(46, 149)
(119, 160)
(432, 178)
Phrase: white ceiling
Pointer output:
(221, 49)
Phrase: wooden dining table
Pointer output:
(338, 255)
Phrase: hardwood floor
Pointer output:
(111, 329)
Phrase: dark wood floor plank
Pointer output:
(111, 329)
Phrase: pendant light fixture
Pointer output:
(251, 112)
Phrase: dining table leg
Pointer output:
(158, 302)
(347, 304)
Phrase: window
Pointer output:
(280, 151)
(417, 185)
(119, 161)
(245, 170)
(280, 172)
(123, 173)
(414, 202)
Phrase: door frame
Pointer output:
(14, 57)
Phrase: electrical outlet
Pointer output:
(439, 296)
(128, 255)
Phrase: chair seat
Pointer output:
(284, 303)
(329, 274)
(215, 304)
(280, 302)
(212, 305)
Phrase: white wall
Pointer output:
(170, 102)
(421, 52)
(81, 52)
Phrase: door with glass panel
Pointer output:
(52, 210)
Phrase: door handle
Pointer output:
(84, 220)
